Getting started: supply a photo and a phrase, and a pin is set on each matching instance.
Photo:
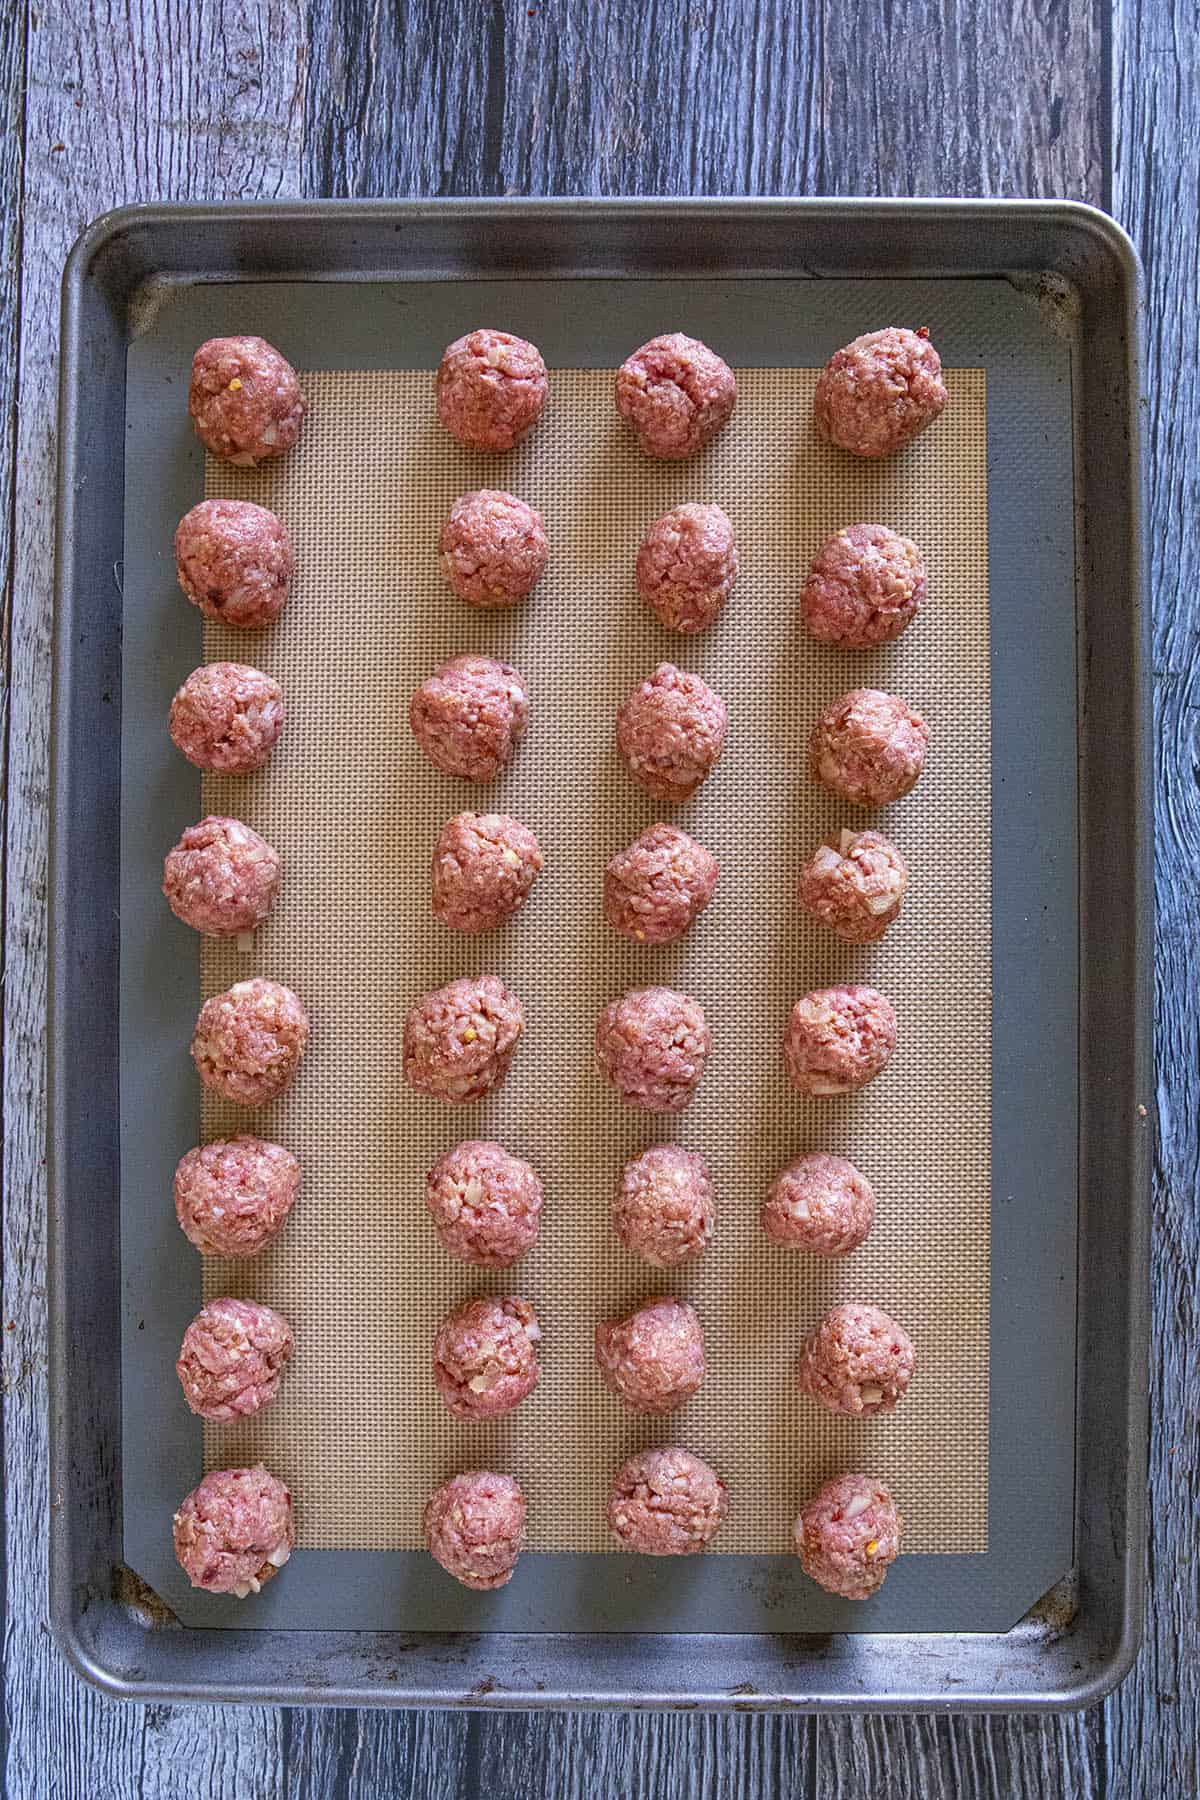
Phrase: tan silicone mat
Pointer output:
(358, 1431)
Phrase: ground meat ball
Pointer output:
(875, 395)
(221, 877)
(234, 1531)
(484, 868)
(491, 388)
(653, 1359)
(837, 1039)
(233, 1196)
(486, 1204)
(676, 393)
(475, 1527)
(470, 716)
(821, 1204)
(865, 585)
(249, 1040)
(652, 1044)
(493, 548)
(854, 884)
(666, 1503)
(868, 747)
(670, 732)
(234, 561)
(232, 1357)
(848, 1536)
(227, 717)
(245, 400)
(663, 1211)
(656, 888)
(460, 1039)
(687, 566)
(858, 1362)
(484, 1361)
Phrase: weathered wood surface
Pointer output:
(198, 98)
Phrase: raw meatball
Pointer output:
(493, 548)
(234, 561)
(234, 1531)
(486, 1204)
(666, 1503)
(491, 388)
(460, 1039)
(869, 747)
(663, 1210)
(484, 867)
(821, 1204)
(652, 1044)
(858, 1362)
(653, 1359)
(227, 717)
(249, 1040)
(670, 732)
(232, 1357)
(484, 1361)
(233, 1196)
(221, 877)
(875, 395)
(470, 716)
(245, 400)
(865, 585)
(854, 884)
(687, 566)
(475, 1527)
(848, 1536)
(656, 888)
(676, 393)
(837, 1039)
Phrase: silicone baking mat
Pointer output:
(358, 1431)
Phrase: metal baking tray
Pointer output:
(1071, 947)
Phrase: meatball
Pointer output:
(493, 548)
(854, 884)
(848, 1536)
(876, 394)
(653, 1359)
(249, 1040)
(652, 1045)
(837, 1039)
(221, 877)
(475, 1527)
(460, 1039)
(484, 1361)
(858, 1362)
(666, 1503)
(865, 585)
(676, 393)
(233, 1196)
(663, 1211)
(654, 890)
(234, 1531)
(245, 400)
(232, 1357)
(234, 561)
(484, 868)
(486, 1204)
(869, 747)
(491, 388)
(670, 732)
(821, 1204)
(686, 567)
(227, 717)
(469, 717)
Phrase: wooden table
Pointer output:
(202, 99)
